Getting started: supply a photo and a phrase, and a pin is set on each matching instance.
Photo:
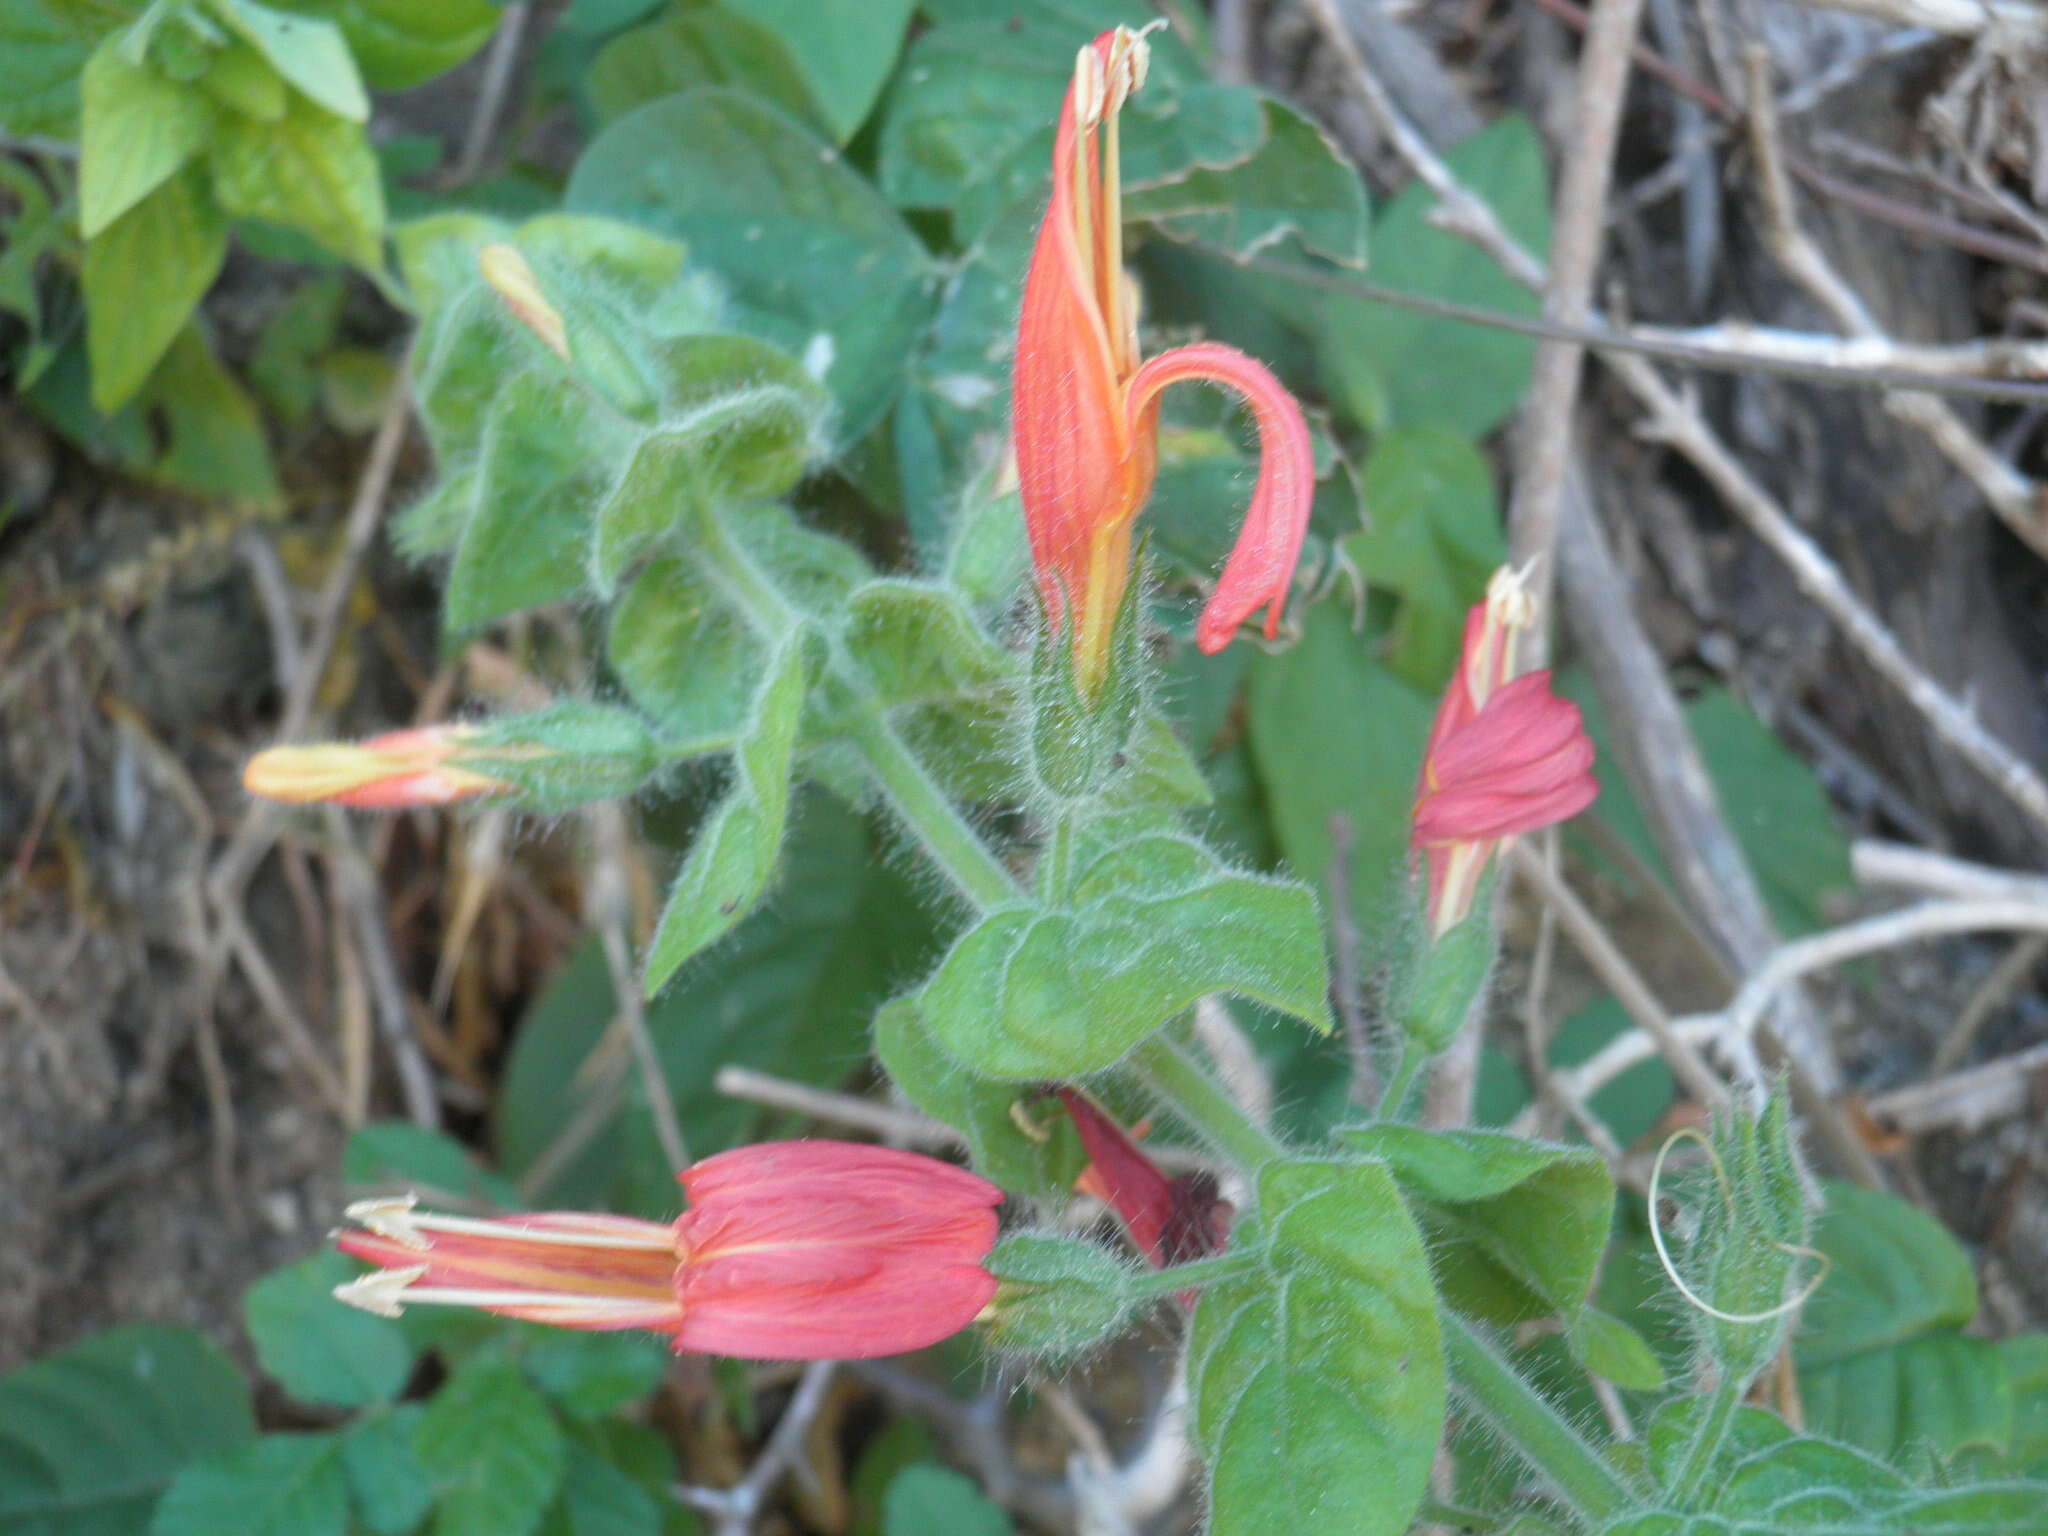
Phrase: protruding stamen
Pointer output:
(389, 1216)
(1090, 92)
(397, 1218)
(378, 1291)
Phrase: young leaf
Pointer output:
(733, 860)
(312, 171)
(1518, 1227)
(1156, 921)
(91, 1435)
(177, 235)
(280, 1485)
(138, 130)
(495, 1449)
(319, 1352)
(1318, 1382)
(311, 54)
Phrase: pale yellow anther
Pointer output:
(1509, 602)
(1089, 94)
(381, 1290)
(390, 1217)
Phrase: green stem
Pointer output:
(1186, 1086)
(1413, 1058)
(932, 818)
(1198, 1272)
(1538, 1433)
(1706, 1441)
(1059, 861)
(935, 821)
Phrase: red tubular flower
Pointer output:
(1085, 411)
(385, 773)
(792, 1250)
(1506, 756)
(1170, 1220)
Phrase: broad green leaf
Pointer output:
(1334, 733)
(139, 129)
(1317, 1383)
(317, 1351)
(495, 1450)
(1432, 537)
(589, 1375)
(683, 48)
(178, 237)
(403, 43)
(1882, 1361)
(926, 1498)
(791, 991)
(542, 472)
(1042, 1165)
(732, 863)
(243, 80)
(844, 49)
(814, 260)
(392, 1491)
(979, 93)
(1608, 1347)
(1156, 921)
(1397, 367)
(1517, 1227)
(310, 53)
(311, 171)
(91, 1435)
(1296, 187)
(279, 1485)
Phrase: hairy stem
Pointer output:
(1184, 1084)
(1198, 1272)
(1706, 1441)
(1538, 1433)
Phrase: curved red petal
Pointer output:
(1261, 565)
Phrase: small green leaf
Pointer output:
(1432, 537)
(1517, 1227)
(815, 261)
(318, 1351)
(925, 1499)
(542, 471)
(1059, 1297)
(177, 235)
(685, 653)
(1042, 1164)
(1318, 1382)
(91, 1435)
(1608, 1347)
(243, 81)
(280, 1485)
(598, 1499)
(308, 52)
(1156, 921)
(844, 49)
(312, 171)
(495, 1450)
(139, 129)
(733, 860)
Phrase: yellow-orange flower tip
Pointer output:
(388, 772)
(508, 272)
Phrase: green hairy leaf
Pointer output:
(1155, 922)
(1318, 1383)
(733, 860)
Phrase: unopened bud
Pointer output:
(1057, 1298)
(509, 274)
